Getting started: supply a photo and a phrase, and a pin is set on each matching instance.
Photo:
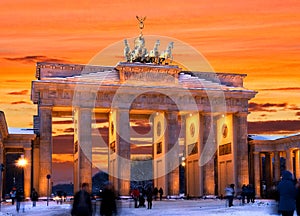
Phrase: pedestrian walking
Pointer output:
(287, 194)
(135, 195)
(251, 193)
(149, 197)
(229, 193)
(13, 195)
(108, 205)
(34, 197)
(20, 200)
(82, 205)
(161, 192)
(244, 193)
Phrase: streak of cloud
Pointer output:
(267, 107)
(35, 58)
(20, 102)
(23, 92)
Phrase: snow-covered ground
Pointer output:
(165, 207)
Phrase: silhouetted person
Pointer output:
(161, 192)
(251, 193)
(149, 197)
(287, 194)
(108, 205)
(34, 197)
(82, 205)
(135, 195)
(13, 195)
(244, 193)
(20, 198)
(155, 193)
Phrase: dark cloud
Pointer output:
(274, 127)
(36, 58)
(297, 113)
(23, 92)
(267, 107)
(63, 122)
(271, 107)
(21, 102)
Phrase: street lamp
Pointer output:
(22, 162)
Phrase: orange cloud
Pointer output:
(62, 158)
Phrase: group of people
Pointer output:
(19, 196)
(288, 194)
(248, 193)
(139, 196)
(82, 205)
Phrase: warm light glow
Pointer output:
(183, 163)
(22, 162)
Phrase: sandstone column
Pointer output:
(257, 169)
(241, 146)
(159, 150)
(45, 157)
(276, 166)
(83, 147)
(123, 151)
(207, 159)
(289, 160)
(172, 154)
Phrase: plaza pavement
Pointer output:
(209, 207)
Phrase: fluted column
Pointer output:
(257, 169)
(289, 160)
(297, 163)
(45, 156)
(172, 156)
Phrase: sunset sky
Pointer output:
(258, 38)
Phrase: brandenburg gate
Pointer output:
(208, 109)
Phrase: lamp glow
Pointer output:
(22, 162)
